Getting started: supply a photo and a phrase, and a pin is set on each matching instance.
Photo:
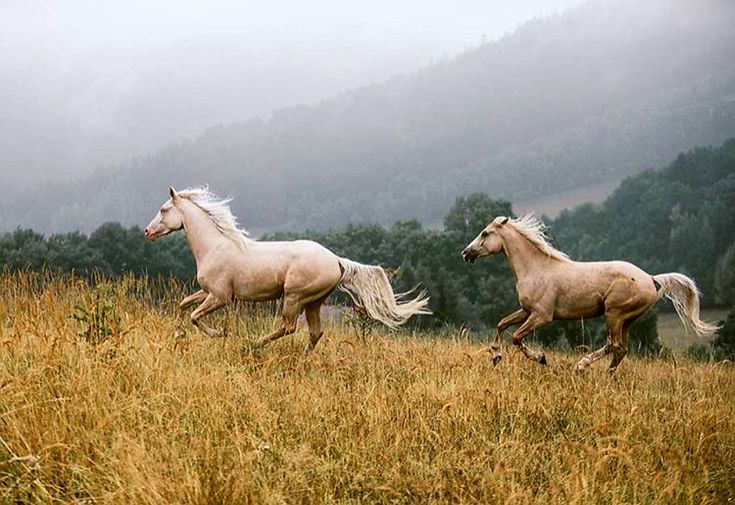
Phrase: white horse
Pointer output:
(303, 273)
(551, 286)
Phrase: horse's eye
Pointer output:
(484, 233)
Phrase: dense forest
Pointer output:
(680, 218)
(594, 95)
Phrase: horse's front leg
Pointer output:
(534, 321)
(187, 302)
(516, 317)
(210, 304)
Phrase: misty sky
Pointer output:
(85, 84)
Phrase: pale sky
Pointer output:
(85, 84)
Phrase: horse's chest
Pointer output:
(530, 292)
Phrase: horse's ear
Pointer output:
(504, 220)
(173, 193)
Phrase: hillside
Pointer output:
(679, 218)
(586, 98)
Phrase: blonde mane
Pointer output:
(218, 210)
(534, 230)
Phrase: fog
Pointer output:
(85, 85)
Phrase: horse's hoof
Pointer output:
(496, 359)
(542, 360)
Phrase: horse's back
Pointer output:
(585, 289)
(305, 262)
(307, 250)
(622, 279)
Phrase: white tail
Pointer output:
(683, 293)
(369, 287)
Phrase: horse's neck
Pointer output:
(524, 257)
(201, 232)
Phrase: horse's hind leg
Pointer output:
(313, 318)
(209, 305)
(613, 345)
(516, 317)
(592, 357)
(620, 348)
(292, 307)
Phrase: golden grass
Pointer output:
(142, 418)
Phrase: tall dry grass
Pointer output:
(142, 418)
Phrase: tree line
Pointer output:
(680, 218)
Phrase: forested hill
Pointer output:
(680, 218)
(606, 90)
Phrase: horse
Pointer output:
(551, 286)
(231, 265)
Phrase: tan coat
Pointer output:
(551, 286)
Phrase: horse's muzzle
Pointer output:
(469, 255)
(151, 234)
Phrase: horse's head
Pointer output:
(168, 219)
(487, 242)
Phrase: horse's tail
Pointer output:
(369, 288)
(683, 293)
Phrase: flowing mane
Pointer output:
(534, 230)
(218, 210)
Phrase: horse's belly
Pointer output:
(259, 296)
(579, 312)
(258, 287)
(578, 305)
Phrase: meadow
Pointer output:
(674, 336)
(99, 403)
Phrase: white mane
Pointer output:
(219, 212)
(534, 230)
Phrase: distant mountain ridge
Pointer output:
(603, 91)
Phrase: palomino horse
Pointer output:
(303, 273)
(552, 286)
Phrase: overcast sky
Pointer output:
(85, 84)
